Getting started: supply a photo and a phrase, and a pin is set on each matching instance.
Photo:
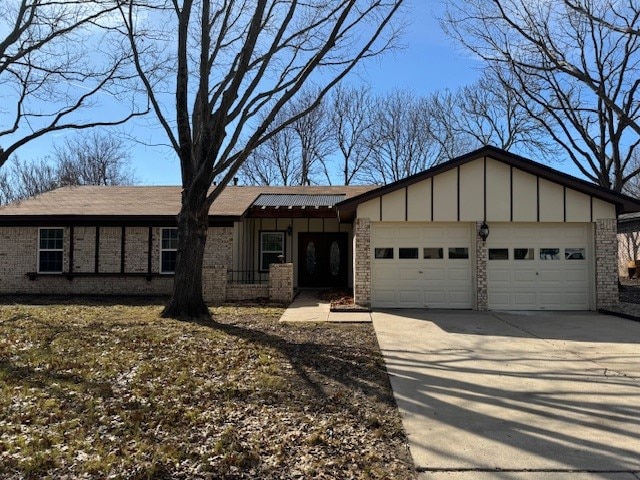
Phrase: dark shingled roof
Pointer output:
(147, 201)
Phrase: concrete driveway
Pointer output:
(516, 396)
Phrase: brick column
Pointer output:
(480, 277)
(362, 262)
(606, 246)
(214, 284)
(281, 282)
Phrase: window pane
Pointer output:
(273, 242)
(384, 252)
(169, 261)
(433, 253)
(50, 261)
(51, 238)
(268, 259)
(523, 254)
(169, 238)
(459, 253)
(407, 253)
(574, 254)
(498, 254)
(549, 254)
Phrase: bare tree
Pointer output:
(217, 75)
(27, 179)
(400, 138)
(48, 79)
(274, 162)
(93, 159)
(572, 73)
(351, 120)
(314, 135)
(488, 112)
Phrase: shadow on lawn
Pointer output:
(320, 364)
(85, 300)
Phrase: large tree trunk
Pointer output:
(186, 301)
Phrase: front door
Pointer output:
(322, 260)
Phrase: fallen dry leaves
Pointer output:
(94, 390)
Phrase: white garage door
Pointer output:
(539, 266)
(418, 265)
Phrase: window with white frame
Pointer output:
(168, 250)
(50, 248)
(271, 247)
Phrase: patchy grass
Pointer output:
(98, 390)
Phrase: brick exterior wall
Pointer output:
(606, 246)
(362, 262)
(214, 284)
(19, 256)
(238, 291)
(480, 273)
(281, 282)
(219, 247)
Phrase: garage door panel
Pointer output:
(498, 276)
(434, 274)
(499, 300)
(384, 297)
(460, 298)
(407, 234)
(384, 233)
(409, 297)
(382, 276)
(459, 273)
(528, 276)
(435, 299)
(435, 282)
(576, 276)
(410, 274)
(537, 283)
(524, 300)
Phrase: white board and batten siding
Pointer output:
(523, 211)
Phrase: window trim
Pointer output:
(50, 250)
(283, 234)
(162, 250)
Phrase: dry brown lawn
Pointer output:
(90, 389)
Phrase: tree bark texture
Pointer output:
(186, 301)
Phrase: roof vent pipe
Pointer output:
(235, 181)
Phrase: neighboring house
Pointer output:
(628, 244)
(551, 239)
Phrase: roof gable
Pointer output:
(623, 203)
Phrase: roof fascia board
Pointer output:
(105, 220)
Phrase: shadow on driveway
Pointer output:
(515, 392)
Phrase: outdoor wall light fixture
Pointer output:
(289, 230)
(484, 231)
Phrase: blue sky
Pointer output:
(427, 62)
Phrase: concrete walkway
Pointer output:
(306, 307)
(516, 396)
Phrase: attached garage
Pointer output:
(540, 266)
(550, 243)
(418, 265)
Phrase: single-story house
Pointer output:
(487, 230)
